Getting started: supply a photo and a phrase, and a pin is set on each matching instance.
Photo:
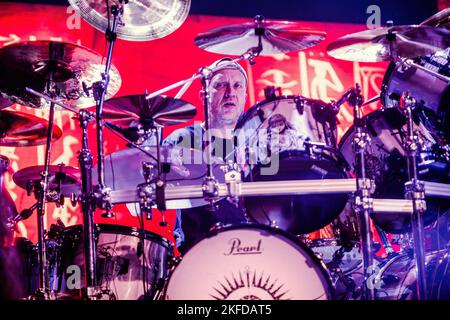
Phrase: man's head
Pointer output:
(228, 92)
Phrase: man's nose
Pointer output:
(230, 91)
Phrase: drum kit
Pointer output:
(390, 170)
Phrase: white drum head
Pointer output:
(249, 263)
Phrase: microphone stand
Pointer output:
(363, 203)
(415, 190)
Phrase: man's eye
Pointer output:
(238, 85)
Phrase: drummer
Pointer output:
(228, 93)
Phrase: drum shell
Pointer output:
(428, 90)
(119, 260)
(397, 278)
(214, 254)
(290, 138)
(386, 164)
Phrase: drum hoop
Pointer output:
(386, 80)
(284, 234)
(374, 115)
(127, 231)
(245, 116)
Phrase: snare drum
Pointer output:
(291, 138)
(249, 262)
(121, 261)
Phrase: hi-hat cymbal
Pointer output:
(161, 110)
(439, 20)
(60, 176)
(383, 44)
(276, 37)
(141, 19)
(73, 68)
(21, 129)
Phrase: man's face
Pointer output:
(228, 94)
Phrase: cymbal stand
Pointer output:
(415, 190)
(43, 291)
(363, 203)
(87, 206)
(86, 199)
(99, 89)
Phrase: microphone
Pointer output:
(337, 104)
(132, 133)
(23, 215)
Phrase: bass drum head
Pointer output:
(249, 262)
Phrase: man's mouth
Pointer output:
(229, 104)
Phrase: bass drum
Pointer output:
(398, 277)
(121, 261)
(291, 138)
(432, 93)
(386, 164)
(249, 262)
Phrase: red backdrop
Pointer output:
(152, 65)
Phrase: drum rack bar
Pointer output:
(438, 190)
(277, 188)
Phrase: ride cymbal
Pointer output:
(388, 43)
(161, 110)
(275, 36)
(141, 20)
(68, 68)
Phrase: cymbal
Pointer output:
(276, 37)
(66, 177)
(21, 129)
(373, 45)
(141, 20)
(5, 103)
(162, 110)
(439, 20)
(186, 167)
(29, 64)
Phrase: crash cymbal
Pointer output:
(21, 129)
(5, 103)
(439, 20)
(276, 37)
(74, 68)
(141, 20)
(60, 176)
(162, 110)
(183, 167)
(383, 44)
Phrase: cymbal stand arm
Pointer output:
(363, 203)
(249, 55)
(415, 190)
(100, 89)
